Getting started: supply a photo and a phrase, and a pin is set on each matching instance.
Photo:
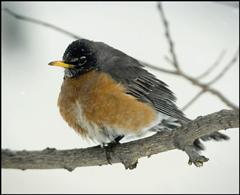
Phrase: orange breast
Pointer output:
(104, 103)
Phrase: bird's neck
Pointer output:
(76, 72)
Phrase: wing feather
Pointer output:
(144, 86)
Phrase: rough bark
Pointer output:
(127, 153)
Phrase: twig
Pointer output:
(127, 153)
(223, 98)
(225, 69)
(198, 95)
(207, 88)
(158, 68)
(35, 21)
(168, 36)
(54, 27)
(179, 72)
(211, 68)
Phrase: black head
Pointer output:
(78, 58)
(80, 53)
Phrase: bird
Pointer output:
(107, 95)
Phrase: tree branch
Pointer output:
(211, 90)
(126, 153)
(46, 24)
(173, 72)
(168, 37)
(214, 65)
(204, 89)
(198, 95)
(194, 81)
(225, 69)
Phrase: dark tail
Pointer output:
(216, 136)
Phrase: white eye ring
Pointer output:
(83, 57)
(84, 60)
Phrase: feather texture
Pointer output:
(138, 81)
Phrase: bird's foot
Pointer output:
(194, 157)
(109, 149)
(198, 161)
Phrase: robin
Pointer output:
(107, 95)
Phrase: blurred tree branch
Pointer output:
(177, 72)
(126, 153)
(214, 80)
(211, 68)
(195, 81)
(36, 21)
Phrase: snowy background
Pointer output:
(30, 88)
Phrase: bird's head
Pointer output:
(78, 58)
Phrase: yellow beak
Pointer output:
(61, 64)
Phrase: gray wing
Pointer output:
(142, 84)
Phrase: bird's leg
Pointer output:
(191, 149)
(194, 156)
(109, 146)
(118, 138)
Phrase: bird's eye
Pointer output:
(73, 60)
(82, 60)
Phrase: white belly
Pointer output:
(105, 134)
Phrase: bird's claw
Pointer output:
(194, 157)
(198, 161)
(108, 149)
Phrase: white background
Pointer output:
(30, 89)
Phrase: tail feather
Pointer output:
(217, 136)
(198, 145)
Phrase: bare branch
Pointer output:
(207, 88)
(127, 153)
(215, 65)
(158, 68)
(35, 21)
(198, 95)
(225, 69)
(223, 98)
(54, 27)
(195, 81)
(168, 37)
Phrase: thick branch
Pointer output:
(127, 153)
